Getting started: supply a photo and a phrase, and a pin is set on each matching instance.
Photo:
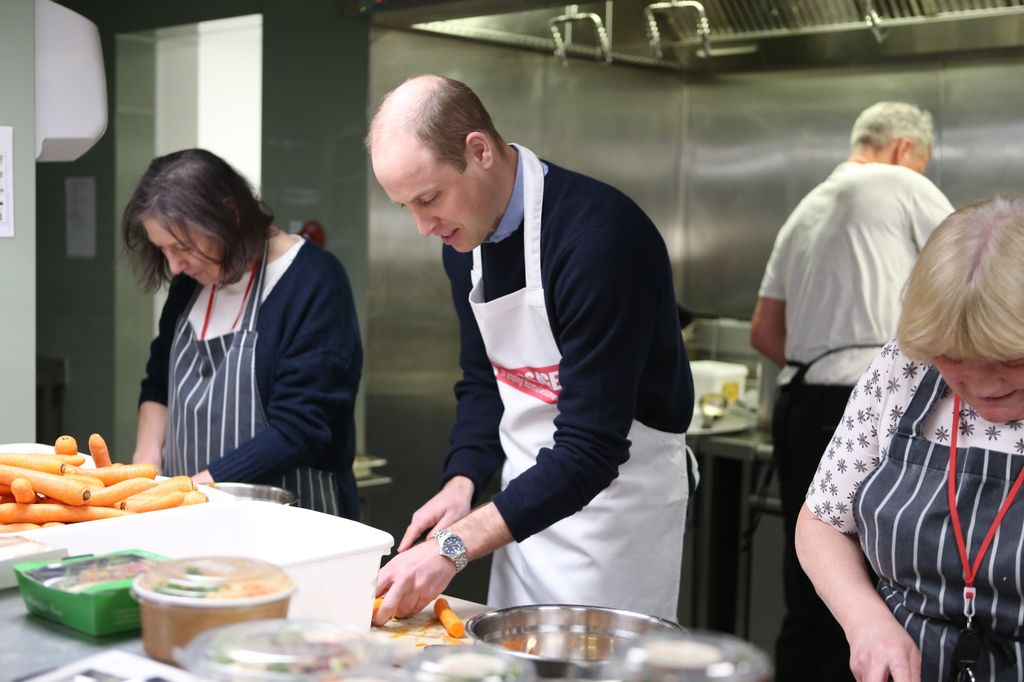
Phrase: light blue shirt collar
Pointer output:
(515, 210)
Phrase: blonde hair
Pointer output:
(965, 296)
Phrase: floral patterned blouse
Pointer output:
(862, 438)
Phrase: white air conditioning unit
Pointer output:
(71, 86)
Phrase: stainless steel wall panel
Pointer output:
(982, 129)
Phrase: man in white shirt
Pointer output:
(828, 301)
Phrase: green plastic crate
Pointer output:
(89, 593)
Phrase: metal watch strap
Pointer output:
(457, 557)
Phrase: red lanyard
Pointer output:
(213, 292)
(971, 571)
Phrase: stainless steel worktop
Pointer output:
(33, 645)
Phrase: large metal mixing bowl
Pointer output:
(261, 493)
(563, 641)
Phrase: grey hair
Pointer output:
(881, 123)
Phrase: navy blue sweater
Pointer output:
(309, 359)
(608, 291)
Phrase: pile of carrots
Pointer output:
(42, 490)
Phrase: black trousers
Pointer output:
(811, 645)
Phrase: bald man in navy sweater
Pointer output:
(576, 385)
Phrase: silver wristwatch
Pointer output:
(450, 545)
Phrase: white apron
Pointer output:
(624, 549)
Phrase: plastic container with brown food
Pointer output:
(181, 598)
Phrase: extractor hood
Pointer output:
(740, 33)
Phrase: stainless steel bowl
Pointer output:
(564, 641)
(261, 493)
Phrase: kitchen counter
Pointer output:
(33, 645)
(735, 468)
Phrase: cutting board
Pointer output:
(410, 635)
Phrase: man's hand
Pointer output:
(419, 573)
(411, 580)
(883, 650)
(440, 511)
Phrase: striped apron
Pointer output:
(214, 404)
(905, 531)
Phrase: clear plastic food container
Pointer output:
(181, 598)
(374, 674)
(475, 663)
(692, 657)
(280, 650)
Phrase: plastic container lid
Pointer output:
(474, 663)
(692, 657)
(281, 650)
(213, 581)
(374, 674)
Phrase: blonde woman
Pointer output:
(923, 473)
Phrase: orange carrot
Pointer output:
(194, 497)
(98, 450)
(51, 524)
(18, 527)
(23, 491)
(376, 605)
(449, 620)
(49, 463)
(60, 487)
(184, 484)
(73, 460)
(66, 445)
(111, 475)
(94, 483)
(111, 495)
(41, 512)
(5, 489)
(165, 501)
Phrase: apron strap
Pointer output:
(252, 308)
(928, 394)
(802, 367)
(533, 203)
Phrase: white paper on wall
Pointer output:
(6, 181)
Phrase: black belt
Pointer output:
(802, 367)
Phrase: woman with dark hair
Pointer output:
(254, 372)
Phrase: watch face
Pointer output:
(452, 545)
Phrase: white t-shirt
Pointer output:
(861, 441)
(840, 262)
(229, 301)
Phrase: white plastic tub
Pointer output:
(332, 560)
(711, 376)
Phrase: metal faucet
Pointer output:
(874, 21)
(573, 14)
(703, 29)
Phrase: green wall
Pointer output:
(315, 90)
(315, 73)
(18, 255)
